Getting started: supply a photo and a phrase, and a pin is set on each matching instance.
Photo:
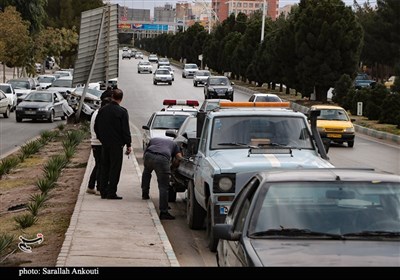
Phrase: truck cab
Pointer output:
(242, 137)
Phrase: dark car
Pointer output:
(42, 105)
(218, 87)
(363, 81)
(313, 217)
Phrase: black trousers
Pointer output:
(111, 164)
(95, 176)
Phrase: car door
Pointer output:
(234, 252)
(57, 103)
(3, 102)
(146, 132)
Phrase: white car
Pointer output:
(63, 85)
(144, 66)
(45, 81)
(162, 76)
(22, 87)
(160, 122)
(5, 105)
(153, 58)
(264, 97)
(200, 77)
(181, 105)
(139, 55)
(10, 93)
(189, 69)
(169, 68)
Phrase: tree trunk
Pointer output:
(321, 93)
(288, 90)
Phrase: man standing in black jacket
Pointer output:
(112, 129)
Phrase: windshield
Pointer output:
(5, 88)
(268, 98)
(259, 131)
(93, 91)
(39, 97)
(19, 84)
(341, 208)
(333, 115)
(168, 121)
(203, 73)
(218, 81)
(191, 66)
(46, 79)
(163, 72)
(62, 83)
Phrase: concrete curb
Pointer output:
(360, 129)
(156, 220)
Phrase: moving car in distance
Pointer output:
(144, 66)
(218, 87)
(200, 77)
(162, 76)
(264, 97)
(169, 68)
(153, 58)
(313, 217)
(189, 69)
(335, 124)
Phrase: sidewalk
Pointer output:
(124, 232)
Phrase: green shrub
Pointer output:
(33, 208)
(7, 164)
(45, 184)
(61, 127)
(342, 89)
(26, 220)
(31, 148)
(48, 135)
(69, 151)
(5, 241)
(39, 198)
(390, 113)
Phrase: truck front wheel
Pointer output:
(194, 213)
(212, 241)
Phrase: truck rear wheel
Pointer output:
(194, 213)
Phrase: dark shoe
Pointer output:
(145, 196)
(114, 197)
(166, 216)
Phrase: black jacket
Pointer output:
(112, 125)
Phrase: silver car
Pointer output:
(162, 76)
(144, 66)
(200, 77)
(312, 217)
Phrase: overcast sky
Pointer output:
(149, 4)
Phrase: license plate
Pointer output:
(30, 112)
(221, 94)
(332, 135)
(223, 210)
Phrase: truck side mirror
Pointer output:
(193, 146)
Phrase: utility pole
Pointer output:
(263, 23)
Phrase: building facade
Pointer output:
(223, 8)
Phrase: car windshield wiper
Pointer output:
(238, 144)
(295, 232)
(373, 233)
(272, 144)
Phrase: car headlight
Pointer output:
(19, 109)
(230, 89)
(211, 89)
(349, 129)
(225, 184)
(43, 109)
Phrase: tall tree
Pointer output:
(14, 37)
(328, 42)
(32, 11)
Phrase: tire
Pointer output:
(350, 144)
(195, 84)
(154, 83)
(170, 83)
(18, 119)
(194, 213)
(212, 241)
(6, 114)
(63, 117)
(171, 194)
(51, 117)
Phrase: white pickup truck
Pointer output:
(237, 138)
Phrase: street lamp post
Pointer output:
(263, 23)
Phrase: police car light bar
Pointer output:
(255, 104)
(170, 102)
